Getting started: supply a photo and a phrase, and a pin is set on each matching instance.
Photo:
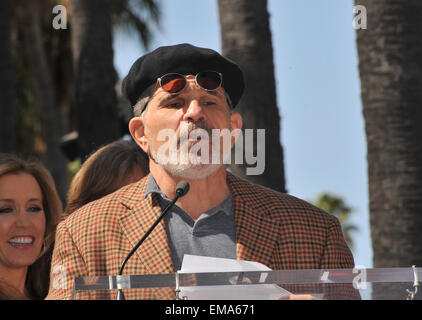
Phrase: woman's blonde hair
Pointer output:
(37, 279)
(105, 171)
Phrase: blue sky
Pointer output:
(318, 93)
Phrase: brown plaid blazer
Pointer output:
(276, 229)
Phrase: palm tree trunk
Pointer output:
(390, 65)
(95, 96)
(44, 93)
(246, 39)
(7, 116)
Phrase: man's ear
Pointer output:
(137, 130)
(236, 124)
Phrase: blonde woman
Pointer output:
(30, 210)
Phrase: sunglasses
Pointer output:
(174, 82)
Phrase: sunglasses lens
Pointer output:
(209, 80)
(173, 82)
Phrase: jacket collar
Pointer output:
(154, 253)
(256, 232)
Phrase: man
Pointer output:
(175, 89)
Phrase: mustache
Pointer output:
(192, 126)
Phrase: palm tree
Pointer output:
(390, 66)
(95, 98)
(44, 81)
(246, 39)
(125, 14)
(390, 56)
(7, 116)
(30, 13)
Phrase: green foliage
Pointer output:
(132, 15)
(73, 167)
(336, 206)
(136, 16)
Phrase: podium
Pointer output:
(324, 284)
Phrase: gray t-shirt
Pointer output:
(212, 234)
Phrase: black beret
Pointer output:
(184, 59)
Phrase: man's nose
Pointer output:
(194, 111)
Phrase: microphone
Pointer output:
(182, 189)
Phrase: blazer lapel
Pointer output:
(256, 232)
(256, 235)
(154, 254)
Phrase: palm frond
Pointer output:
(136, 16)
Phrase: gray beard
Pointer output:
(185, 170)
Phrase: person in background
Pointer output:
(30, 210)
(109, 168)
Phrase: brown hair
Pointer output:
(105, 171)
(37, 278)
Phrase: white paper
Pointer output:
(193, 264)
